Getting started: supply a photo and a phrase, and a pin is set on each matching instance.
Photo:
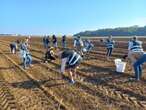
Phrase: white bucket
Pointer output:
(117, 61)
(120, 66)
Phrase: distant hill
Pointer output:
(7, 35)
(120, 31)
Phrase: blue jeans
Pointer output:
(109, 52)
(138, 66)
(64, 44)
(27, 61)
(55, 44)
(45, 45)
(24, 62)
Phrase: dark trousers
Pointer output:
(109, 52)
(13, 48)
(49, 57)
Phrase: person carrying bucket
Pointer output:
(70, 60)
(109, 45)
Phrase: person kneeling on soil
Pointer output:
(70, 61)
(25, 55)
(13, 47)
(49, 55)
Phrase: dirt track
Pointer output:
(98, 85)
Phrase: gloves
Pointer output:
(125, 56)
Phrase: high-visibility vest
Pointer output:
(74, 59)
(136, 46)
(110, 44)
(23, 46)
(79, 42)
(88, 46)
(23, 53)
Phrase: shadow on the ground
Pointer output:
(104, 79)
(7, 68)
(31, 84)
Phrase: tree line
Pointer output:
(120, 31)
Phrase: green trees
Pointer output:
(121, 31)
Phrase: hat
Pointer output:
(135, 37)
(51, 48)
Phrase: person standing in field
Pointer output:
(109, 46)
(78, 44)
(74, 42)
(64, 41)
(54, 41)
(45, 41)
(27, 41)
(25, 55)
(48, 41)
(70, 61)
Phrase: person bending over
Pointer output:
(70, 61)
(13, 47)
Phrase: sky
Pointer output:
(61, 17)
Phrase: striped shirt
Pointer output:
(72, 57)
(135, 46)
(110, 43)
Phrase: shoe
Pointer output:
(72, 82)
(63, 77)
(134, 79)
(25, 68)
(45, 61)
(31, 65)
